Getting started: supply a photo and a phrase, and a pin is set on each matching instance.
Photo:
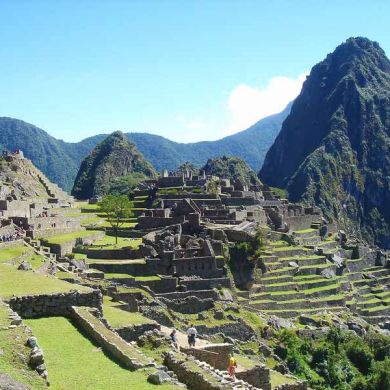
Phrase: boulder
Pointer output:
(265, 350)
(306, 320)
(328, 273)
(32, 342)
(219, 315)
(148, 251)
(159, 377)
(25, 266)
(7, 383)
(36, 357)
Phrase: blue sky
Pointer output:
(188, 70)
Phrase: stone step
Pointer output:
(291, 251)
(297, 304)
(373, 282)
(296, 313)
(305, 233)
(301, 285)
(302, 261)
(373, 302)
(328, 244)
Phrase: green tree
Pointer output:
(117, 208)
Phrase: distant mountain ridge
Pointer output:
(61, 160)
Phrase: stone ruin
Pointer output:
(30, 204)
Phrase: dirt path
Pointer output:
(182, 338)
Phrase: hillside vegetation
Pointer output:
(115, 157)
(333, 149)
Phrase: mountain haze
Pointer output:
(334, 147)
(60, 160)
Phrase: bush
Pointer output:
(360, 356)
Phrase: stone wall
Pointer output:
(113, 345)
(206, 284)
(217, 355)
(205, 267)
(33, 306)
(189, 305)
(293, 386)
(111, 254)
(193, 379)
(67, 247)
(133, 332)
(258, 376)
(238, 330)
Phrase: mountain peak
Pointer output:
(334, 143)
(114, 157)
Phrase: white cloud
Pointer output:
(248, 104)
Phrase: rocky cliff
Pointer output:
(114, 157)
(334, 147)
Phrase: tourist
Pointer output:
(192, 333)
(173, 336)
(232, 365)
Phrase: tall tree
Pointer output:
(117, 208)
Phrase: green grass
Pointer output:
(109, 242)
(105, 261)
(19, 283)
(74, 362)
(68, 237)
(7, 254)
(119, 318)
(244, 362)
(12, 344)
(278, 379)
(289, 248)
(305, 231)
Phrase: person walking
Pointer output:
(173, 336)
(191, 334)
(232, 365)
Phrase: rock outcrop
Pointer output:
(333, 149)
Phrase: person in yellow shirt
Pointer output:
(232, 365)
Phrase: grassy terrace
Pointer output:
(68, 237)
(19, 283)
(290, 248)
(298, 258)
(81, 365)
(278, 379)
(305, 231)
(108, 242)
(119, 318)
(107, 261)
(137, 278)
(7, 254)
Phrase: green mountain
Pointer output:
(334, 148)
(231, 168)
(114, 157)
(60, 160)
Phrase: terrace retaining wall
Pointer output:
(33, 306)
